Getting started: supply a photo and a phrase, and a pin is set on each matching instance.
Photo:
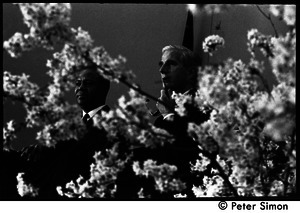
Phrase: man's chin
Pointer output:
(81, 98)
(82, 102)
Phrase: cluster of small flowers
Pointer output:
(112, 69)
(234, 134)
(181, 100)
(212, 187)
(180, 195)
(48, 23)
(277, 188)
(45, 15)
(46, 19)
(8, 134)
(19, 87)
(25, 189)
(82, 40)
(103, 174)
(61, 124)
(240, 176)
(74, 190)
(201, 163)
(278, 111)
(232, 71)
(257, 39)
(19, 43)
(230, 82)
(211, 87)
(284, 12)
(73, 55)
(162, 174)
(213, 133)
(79, 53)
(284, 60)
(211, 43)
(131, 121)
(47, 108)
(234, 129)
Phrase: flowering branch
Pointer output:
(220, 169)
(247, 142)
(136, 88)
(123, 79)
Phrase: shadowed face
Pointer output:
(173, 74)
(89, 90)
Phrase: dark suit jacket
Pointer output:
(184, 150)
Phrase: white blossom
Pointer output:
(211, 43)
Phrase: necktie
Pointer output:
(85, 119)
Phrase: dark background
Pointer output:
(138, 32)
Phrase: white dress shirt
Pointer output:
(93, 112)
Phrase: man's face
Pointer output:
(88, 90)
(173, 74)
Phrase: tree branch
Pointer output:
(144, 93)
(126, 83)
(269, 18)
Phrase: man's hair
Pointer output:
(187, 57)
(189, 60)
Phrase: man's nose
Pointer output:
(163, 69)
(79, 87)
(76, 89)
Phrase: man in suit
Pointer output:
(179, 73)
(46, 168)
(71, 159)
(178, 70)
(91, 90)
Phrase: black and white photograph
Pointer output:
(148, 102)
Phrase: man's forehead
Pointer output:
(173, 55)
(88, 73)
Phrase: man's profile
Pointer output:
(91, 90)
(46, 168)
(178, 68)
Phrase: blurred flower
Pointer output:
(285, 12)
(212, 187)
(9, 134)
(277, 188)
(48, 24)
(25, 189)
(256, 39)
(162, 175)
(211, 43)
(289, 15)
(240, 144)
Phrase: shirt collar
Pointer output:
(188, 92)
(93, 112)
